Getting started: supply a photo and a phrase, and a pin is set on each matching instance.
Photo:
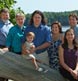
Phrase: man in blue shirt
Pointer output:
(5, 26)
(73, 19)
(42, 35)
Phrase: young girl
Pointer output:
(68, 57)
(30, 46)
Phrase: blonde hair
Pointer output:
(30, 34)
(19, 14)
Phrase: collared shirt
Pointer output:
(4, 29)
(14, 38)
(42, 35)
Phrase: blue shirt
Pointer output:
(14, 38)
(42, 35)
(4, 29)
(76, 31)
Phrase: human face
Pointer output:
(55, 29)
(4, 16)
(37, 19)
(70, 36)
(72, 21)
(20, 20)
(29, 38)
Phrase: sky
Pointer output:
(28, 6)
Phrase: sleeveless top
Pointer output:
(28, 45)
(70, 57)
(53, 54)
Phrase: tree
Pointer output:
(7, 3)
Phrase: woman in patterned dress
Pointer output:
(57, 39)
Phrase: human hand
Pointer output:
(74, 74)
(32, 49)
(27, 51)
(2, 51)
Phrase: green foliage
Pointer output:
(12, 16)
(13, 13)
(50, 16)
(7, 3)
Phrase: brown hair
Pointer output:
(73, 15)
(5, 10)
(59, 25)
(43, 21)
(65, 44)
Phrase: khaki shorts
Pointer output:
(43, 57)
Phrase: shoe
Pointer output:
(40, 69)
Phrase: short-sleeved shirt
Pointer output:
(14, 38)
(76, 31)
(28, 45)
(4, 30)
(42, 35)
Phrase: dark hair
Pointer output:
(73, 15)
(65, 44)
(5, 10)
(59, 26)
(41, 14)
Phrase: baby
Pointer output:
(31, 47)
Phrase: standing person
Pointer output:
(5, 26)
(30, 46)
(73, 20)
(42, 39)
(13, 41)
(68, 57)
(57, 39)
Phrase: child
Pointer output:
(30, 46)
(68, 57)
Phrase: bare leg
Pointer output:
(35, 63)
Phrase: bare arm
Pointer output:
(4, 50)
(65, 66)
(45, 45)
(61, 58)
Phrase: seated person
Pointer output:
(30, 46)
(68, 56)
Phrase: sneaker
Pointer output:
(40, 69)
